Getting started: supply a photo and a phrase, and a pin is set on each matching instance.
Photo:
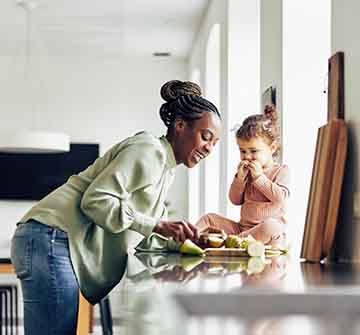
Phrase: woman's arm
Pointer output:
(107, 199)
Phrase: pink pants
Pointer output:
(269, 232)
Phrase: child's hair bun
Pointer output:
(270, 113)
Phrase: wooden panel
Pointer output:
(336, 87)
(336, 185)
(324, 197)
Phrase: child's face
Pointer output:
(256, 149)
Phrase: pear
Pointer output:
(256, 249)
(272, 252)
(245, 241)
(233, 241)
(190, 248)
(215, 242)
(212, 240)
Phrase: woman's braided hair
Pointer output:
(183, 101)
(261, 125)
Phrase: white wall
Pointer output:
(93, 100)
(244, 78)
(241, 76)
(212, 91)
(345, 37)
(271, 49)
(306, 49)
(217, 13)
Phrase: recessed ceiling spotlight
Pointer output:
(161, 54)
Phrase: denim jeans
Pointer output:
(40, 255)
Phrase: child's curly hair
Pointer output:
(262, 125)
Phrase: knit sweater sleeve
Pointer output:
(278, 190)
(107, 200)
(236, 192)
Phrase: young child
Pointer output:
(260, 185)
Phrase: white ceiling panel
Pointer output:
(103, 27)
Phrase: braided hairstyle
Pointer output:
(261, 125)
(183, 101)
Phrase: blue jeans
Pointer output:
(40, 255)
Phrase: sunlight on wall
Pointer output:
(212, 92)
(194, 174)
(306, 49)
(244, 76)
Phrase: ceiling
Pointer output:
(102, 28)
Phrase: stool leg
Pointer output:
(105, 316)
(11, 310)
(1, 313)
(16, 309)
(6, 313)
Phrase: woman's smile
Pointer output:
(198, 156)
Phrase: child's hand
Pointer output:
(243, 171)
(255, 169)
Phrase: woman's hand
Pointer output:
(243, 170)
(255, 169)
(178, 230)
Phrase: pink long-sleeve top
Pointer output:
(262, 199)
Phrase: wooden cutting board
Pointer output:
(336, 87)
(335, 192)
(325, 190)
(226, 252)
(237, 252)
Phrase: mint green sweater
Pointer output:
(123, 190)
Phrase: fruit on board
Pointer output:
(211, 240)
(233, 241)
(215, 242)
(190, 248)
(245, 241)
(256, 249)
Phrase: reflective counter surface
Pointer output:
(173, 294)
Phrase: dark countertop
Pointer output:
(168, 291)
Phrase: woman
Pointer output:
(78, 235)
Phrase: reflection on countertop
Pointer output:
(226, 273)
(156, 281)
(212, 273)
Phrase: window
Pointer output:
(306, 49)
(212, 86)
(194, 175)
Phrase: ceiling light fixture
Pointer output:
(30, 141)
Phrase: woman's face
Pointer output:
(194, 141)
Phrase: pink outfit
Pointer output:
(263, 206)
